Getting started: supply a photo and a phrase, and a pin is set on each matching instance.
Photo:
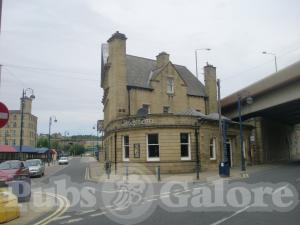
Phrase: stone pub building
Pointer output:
(158, 113)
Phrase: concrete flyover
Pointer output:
(275, 113)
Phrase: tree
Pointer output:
(77, 149)
(42, 142)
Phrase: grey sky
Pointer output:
(63, 39)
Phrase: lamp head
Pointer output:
(249, 100)
(32, 97)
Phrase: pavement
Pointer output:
(97, 173)
(140, 200)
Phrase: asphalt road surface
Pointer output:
(111, 204)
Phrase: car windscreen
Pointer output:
(9, 165)
(64, 158)
(33, 163)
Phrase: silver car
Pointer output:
(36, 167)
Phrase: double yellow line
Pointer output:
(64, 204)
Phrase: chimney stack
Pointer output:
(210, 80)
(117, 74)
(162, 59)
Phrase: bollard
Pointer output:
(126, 171)
(158, 173)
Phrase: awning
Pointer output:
(7, 149)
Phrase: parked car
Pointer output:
(63, 161)
(16, 175)
(36, 167)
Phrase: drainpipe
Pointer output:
(128, 92)
(115, 152)
(197, 152)
(197, 132)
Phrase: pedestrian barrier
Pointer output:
(9, 209)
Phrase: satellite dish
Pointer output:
(142, 112)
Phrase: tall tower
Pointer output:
(210, 79)
(27, 105)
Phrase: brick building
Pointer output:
(159, 113)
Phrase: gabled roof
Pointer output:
(140, 70)
(41, 150)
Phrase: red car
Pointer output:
(14, 174)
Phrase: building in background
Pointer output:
(159, 113)
(10, 134)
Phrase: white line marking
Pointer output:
(98, 214)
(234, 214)
(165, 193)
(73, 221)
(61, 218)
(88, 211)
(63, 206)
(280, 189)
(109, 206)
(165, 196)
(151, 200)
(120, 208)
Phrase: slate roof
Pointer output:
(191, 112)
(26, 149)
(211, 116)
(140, 70)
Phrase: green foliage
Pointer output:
(42, 142)
(77, 149)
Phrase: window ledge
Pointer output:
(153, 159)
(185, 158)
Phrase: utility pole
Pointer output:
(22, 120)
(0, 13)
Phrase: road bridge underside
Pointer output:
(277, 132)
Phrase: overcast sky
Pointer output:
(53, 46)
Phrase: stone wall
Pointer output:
(169, 129)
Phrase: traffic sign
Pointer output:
(4, 115)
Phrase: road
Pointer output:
(154, 208)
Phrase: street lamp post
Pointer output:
(249, 100)
(275, 58)
(97, 139)
(49, 136)
(66, 134)
(24, 95)
(196, 58)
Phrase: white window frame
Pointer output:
(152, 159)
(213, 145)
(170, 86)
(188, 144)
(123, 148)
